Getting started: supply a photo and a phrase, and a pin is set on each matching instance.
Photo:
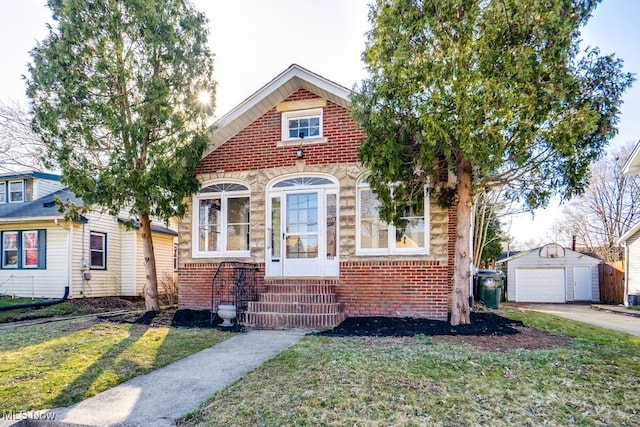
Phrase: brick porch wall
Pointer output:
(394, 289)
(367, 288)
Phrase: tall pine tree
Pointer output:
(113, 90)
(498, 89)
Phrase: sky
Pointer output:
(255, 40)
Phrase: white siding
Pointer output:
(129, 264)
(45, 283)
(44, 187)
(103, 282)
(633, 281)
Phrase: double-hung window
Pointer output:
(16, 191)
(3, 192)
(98, 250)
(221, 222)
(376, 237)
(24, 249)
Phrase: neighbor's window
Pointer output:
(376, 237)
(16, 191)
(221, 225)
(3, 192)
(98, 250)
(302, 124)
(24, 249)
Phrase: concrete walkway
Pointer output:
(171, 392)
(611, 317)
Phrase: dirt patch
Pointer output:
(96, 305)
(487, 331)
(167, 317)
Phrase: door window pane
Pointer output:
(276, 232)
(302, 246)
(331, 225)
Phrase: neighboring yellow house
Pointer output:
(94, 255)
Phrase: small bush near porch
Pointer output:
(591, 378)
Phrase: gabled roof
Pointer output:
(29, 174)
(290, 80)
(43, 208)
(632, 166)
(626, 236)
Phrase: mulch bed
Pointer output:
(487, 331)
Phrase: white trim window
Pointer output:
(302, 124)
(3, 192)
(16, 191)
(221, 221)
(97, 250)
(376, 237)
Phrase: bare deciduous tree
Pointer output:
(20, 147)
(606, 210)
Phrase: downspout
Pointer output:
(38, 304)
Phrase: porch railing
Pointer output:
(234, 283)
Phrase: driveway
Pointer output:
(587, 314)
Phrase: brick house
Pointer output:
(283, 188)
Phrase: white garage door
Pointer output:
(540, 285)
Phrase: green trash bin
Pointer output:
(488, 289)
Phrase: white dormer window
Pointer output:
(302, 124)
(16, 191)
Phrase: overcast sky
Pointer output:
(254, 40)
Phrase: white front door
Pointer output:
(302, 232)
(582, 284)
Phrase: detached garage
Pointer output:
(551, 274)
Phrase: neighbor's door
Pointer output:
(582, 284)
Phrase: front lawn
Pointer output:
(58, 364)
(594, 380)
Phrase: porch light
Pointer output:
(300, 153)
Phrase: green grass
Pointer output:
(58, 364)
(416, 381)
(62, 309)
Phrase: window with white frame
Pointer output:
(24, 249)
(3, 192)
(376, 237)
(98, 250)
(16, 191)
(302, 124)
(221, 224)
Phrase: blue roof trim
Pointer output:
(30, 174)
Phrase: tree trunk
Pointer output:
(150, 289)
(460, 310)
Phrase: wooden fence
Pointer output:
(611, 282)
